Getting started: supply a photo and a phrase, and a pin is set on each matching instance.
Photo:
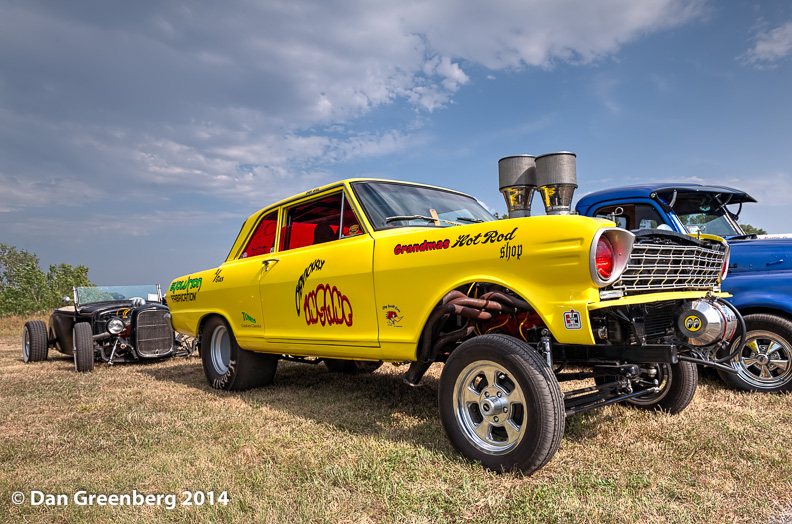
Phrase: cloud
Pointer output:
(769, 190)
(769, 47)
(243, 101)
(111, 225)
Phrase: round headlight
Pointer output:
(115, 326)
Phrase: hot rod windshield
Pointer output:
(400, 205)
(97, 294)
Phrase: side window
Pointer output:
(312, 223)
(632, 216)
(647, 217)
(350, 225)
(263, 239)
(624, 215)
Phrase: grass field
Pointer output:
(320, 447)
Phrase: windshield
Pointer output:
(400, 205)
(98, 294)
(701, 213)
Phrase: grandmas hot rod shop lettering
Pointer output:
(426, 245)
(326, 305)
(490, 237)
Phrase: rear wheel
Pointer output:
(765, 362)
(34, 341)
(500, 404)
(352, 366)
(228, 366)
(83, 347)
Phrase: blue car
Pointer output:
(760, 269)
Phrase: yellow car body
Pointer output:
(368, 296)
(364, 271)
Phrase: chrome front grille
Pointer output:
(154, 333)
(661, 267)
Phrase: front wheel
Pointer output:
(500, 404)
(83, 347)
(34, 341)
(765, 362)
(228, 366)
(677, 385)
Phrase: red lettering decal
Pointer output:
(327, 306)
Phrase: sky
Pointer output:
(135, 137)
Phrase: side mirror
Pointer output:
(66, 300)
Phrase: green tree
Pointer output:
(751, 230)
(24, 288)
(61, 280)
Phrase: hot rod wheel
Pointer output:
(83, 347)
(34, 341)
(500, 404)
(228, 366)
(765, 362)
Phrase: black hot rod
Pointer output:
(107, 324)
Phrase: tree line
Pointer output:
(25, 288)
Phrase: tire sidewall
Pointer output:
(26, 343)
(83, 349)
(216, 379)
(535, 422)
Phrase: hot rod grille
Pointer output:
(154, 333)
(654, 267)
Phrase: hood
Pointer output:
(758, 254)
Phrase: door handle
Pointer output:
(268, 262)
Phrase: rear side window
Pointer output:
(263, 239)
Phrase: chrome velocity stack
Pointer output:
(517, 176)
(556, 176)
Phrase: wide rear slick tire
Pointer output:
(765, 363)
(83, 347)
(34, 341)
(500, 404)
(228, 366)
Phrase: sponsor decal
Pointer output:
(490, 237)
(248, 321)
(217, 277)
(326, 305)
(316, 265)
(185, 290)
(392, 315)
(572, 319)
(510, 251)
(693, 323)
(426, 245)
(354, 229)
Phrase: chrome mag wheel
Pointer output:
(490, 407)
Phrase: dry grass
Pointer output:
(319, 447)
(12, 326)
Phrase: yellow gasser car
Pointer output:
(364, 271)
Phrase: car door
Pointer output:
(318, 288)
